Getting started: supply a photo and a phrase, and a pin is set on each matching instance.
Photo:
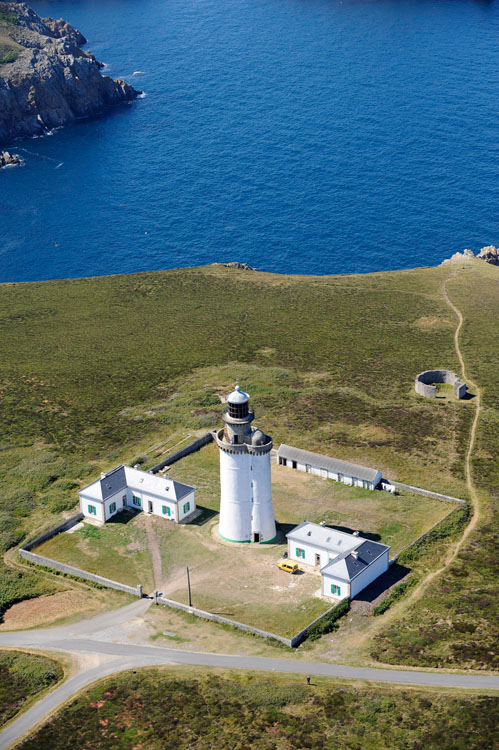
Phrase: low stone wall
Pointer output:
(182, 453)
(425, 380)
(70, 570)
(427, 493)
(422, 536)
(290, 642)
(64, 526)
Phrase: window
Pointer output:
(112, 508)
(137, 501)
(300, 552)
(92, 510)
(335, 589)
(167, 510)
(187, 507)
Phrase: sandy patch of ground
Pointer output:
(44, 609)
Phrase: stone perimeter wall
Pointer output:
(183, 452)
(290, 642)
(26, 554)
(424, 383)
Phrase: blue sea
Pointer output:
(299, 136)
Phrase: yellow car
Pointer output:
(289, 567)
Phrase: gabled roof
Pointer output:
(331, 464)
(324, 537)
(347, 566)
(124, 477)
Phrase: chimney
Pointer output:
(354, 554)
(356, 533)
(103, 474)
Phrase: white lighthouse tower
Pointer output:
(246, 512)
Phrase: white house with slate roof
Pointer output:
(347, 562)
(328, 468)
(125, 487)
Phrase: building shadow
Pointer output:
(381, 585)
(124, 516)
(206, 515)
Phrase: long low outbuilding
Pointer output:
(127, 487)
(328, 468)
(347, 562)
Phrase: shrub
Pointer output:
(329, 622)
(395, 594)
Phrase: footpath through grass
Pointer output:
(96, 371)
(157, 709)
(455, 622)
(23, 676)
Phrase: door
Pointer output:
(149, 508)
(256, 536)
(307, 468)
(317, 560)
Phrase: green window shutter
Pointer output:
(166, 510)
(187, 507)
(338, 590)
(92, 510)
(112, 507)
(333, 588)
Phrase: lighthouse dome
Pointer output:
(258, 437)
(237, 396)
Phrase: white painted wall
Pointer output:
(188, 502)
(235, 496)
(99, 510)
(103, 512)
(262, 518)
(370, 574)
(310, 552)
(328, 581)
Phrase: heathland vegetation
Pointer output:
(96, 371)
(24, 676)
(159, 708)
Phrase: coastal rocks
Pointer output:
(466, 255)
(52, 81)
(9, 160)
(235, 264)
(489, 254)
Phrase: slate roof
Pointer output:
(325, 537)
(347, 566)
(331, 464)
(124, 477)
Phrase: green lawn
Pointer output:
(89, 378)
(22, 677)
(162, 708)
(117, 550)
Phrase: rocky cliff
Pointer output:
(46, 80)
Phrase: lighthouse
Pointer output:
(246, 512)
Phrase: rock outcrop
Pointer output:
(9, 160)
(235, 264)
(489, 254)
(51, 81)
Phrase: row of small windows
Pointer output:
(166, 509)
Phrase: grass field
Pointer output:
(90, 377)
(22, 677)
(456, 620)
(156, 709)
(256, 592)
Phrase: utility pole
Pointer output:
(189, 586)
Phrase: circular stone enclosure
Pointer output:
(425, 381)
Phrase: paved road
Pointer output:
(100, 637)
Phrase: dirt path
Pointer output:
(153, 544)
(398, 609)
